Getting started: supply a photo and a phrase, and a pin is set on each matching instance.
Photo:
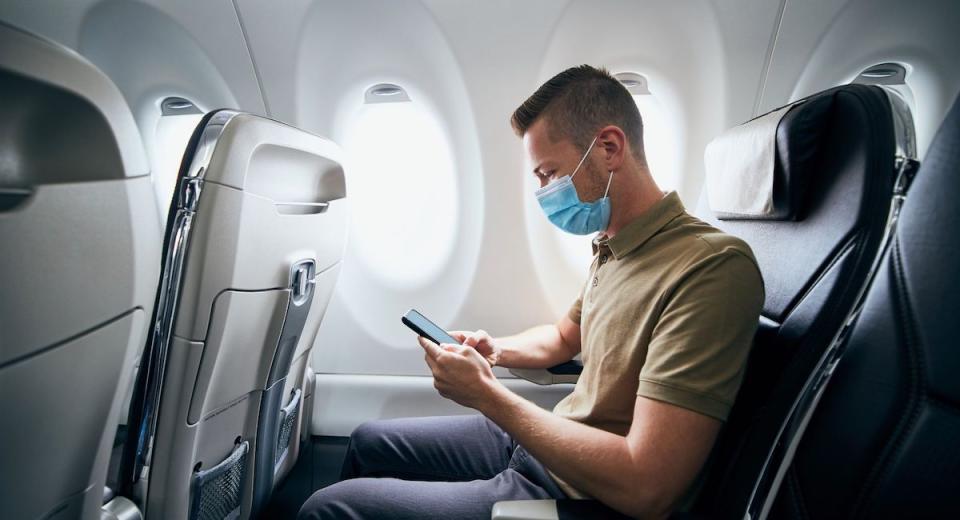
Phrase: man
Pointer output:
(663, 326)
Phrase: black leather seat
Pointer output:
(883, 441)
(837, 152)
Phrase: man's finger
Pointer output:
(450, 347)
(458, 335)
(430, 362)
(432, 348)
(468, 353)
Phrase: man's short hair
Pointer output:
(577, 103)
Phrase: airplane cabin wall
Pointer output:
(508, 276)
(824, 43)
(491, 260)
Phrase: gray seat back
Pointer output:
(252, 251)
(80, 256)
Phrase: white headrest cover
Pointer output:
(740, 168)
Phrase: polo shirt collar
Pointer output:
(637, 232)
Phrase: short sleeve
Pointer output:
(699, 348)
(576, 309)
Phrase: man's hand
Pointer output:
(481, 342)
(460, 373)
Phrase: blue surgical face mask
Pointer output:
(564, 208)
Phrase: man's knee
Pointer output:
(364, 441)
(367, 434)
(348, 499)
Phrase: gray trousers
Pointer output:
(431, 467)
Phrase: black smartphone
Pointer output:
(426, 328)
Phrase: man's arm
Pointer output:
(539, 347)
(695, 360)
(642, 475)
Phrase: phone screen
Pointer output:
(426, 328)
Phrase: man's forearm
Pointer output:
(539, 347)
(596, 462)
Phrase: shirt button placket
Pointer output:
(604, 256)
(596, 274)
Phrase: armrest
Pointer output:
(525, 510)
(568, 509)
(120, 508)
(568, 372)
(108, 494)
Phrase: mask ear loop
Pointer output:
(584, 158)
(609, 181)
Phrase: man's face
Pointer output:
(550, 160)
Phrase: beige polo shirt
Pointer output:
(668, 312)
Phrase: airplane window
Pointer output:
(659, 132)
(894, 76)
(402, 191)
(170, 141)
(659, 141)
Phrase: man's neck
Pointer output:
(635, 195)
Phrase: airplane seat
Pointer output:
(841, 156)
(883, 440)
(828, 166)
(252, 250)
(80, 258)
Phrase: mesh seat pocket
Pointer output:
(288, 417)
(216, 493)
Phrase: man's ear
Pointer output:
(613, 142)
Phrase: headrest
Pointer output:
(760, 170)
(73, 108)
